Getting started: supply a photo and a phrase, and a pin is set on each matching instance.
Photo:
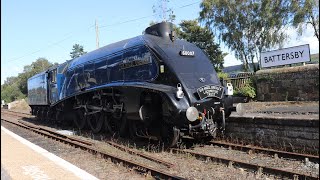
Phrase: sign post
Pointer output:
(285, 56)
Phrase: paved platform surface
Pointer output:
(286, 109)
(20, 159)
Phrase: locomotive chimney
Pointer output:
(163, 29)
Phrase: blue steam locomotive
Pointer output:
(151, 86)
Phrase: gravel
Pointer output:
(186, 166)
(102, 169)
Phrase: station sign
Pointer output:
(291, 55)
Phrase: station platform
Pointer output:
(292, 126)
(278, 110)
(21, 159)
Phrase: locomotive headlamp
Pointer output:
(192, 114)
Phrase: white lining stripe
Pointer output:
(61, 162)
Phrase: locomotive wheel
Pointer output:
(53, 115)
(95, 122)
(46, 115)
(132, 125)
(116, 126)
(67, 118)
(79, 119)
(110, 125)
(58, 117)
(124, 126)
(170, 136)
(38, 114)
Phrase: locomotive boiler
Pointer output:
(150, 86)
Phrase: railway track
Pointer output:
(255, 167)
(88, 146)
(19, 114)
(229, 162)
(275, 153)
(16, 112)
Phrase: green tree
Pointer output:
(16, 87)
(10, 90)
(248, 27)
(305, 12)
(77, 51)
(202, 37)
(10, 81)
(40, 65)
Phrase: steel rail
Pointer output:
(278, 153)
(123, 148)
(48, 134)
(115, 159)
(19, 112)
(50, 131)
(13, 113)
(255, 167)
(131, 151)
(56, 133)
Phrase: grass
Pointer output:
(314, 57)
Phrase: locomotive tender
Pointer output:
(152, 86)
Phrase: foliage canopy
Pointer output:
(77, 51)
(16, 87)
(202, 37)
(305, 12)
(248, 27)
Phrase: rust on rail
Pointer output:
(255, 167)
(115, 159)
(283, 154)
(131, 151)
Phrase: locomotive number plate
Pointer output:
(210, 91)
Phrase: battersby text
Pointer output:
(283, 56)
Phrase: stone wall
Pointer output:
(299, 83)
(280, 133)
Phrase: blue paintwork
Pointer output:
(102, 67)
(38, 89)
(129, 71)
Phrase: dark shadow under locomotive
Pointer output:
(152, 86)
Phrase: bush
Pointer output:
(223, 76)
(247, 90)
(11, 93)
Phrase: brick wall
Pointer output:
(280, 133)
(299, 83)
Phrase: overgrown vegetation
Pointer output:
(247, 90)
(224, 76)
(11, 92)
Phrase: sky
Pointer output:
(33, 29)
